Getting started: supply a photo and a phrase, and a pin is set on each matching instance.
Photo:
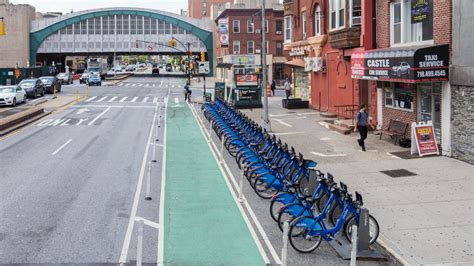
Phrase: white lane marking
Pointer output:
(91, 98)
(123, 99)
(134, 84)
(62, 147)
(148, 222)
(134, 99)
(153, 84)
(312, 113)
(278, 115)
(120, 85)
(113, 99)
(147, 85)
(136, 200)
(157, 144)
(325, 139)
(115, 106)
(288, 133)
(101, 99)
(127, 85)
(82, 110)
(161, 84)
(233, 193)
(324, 124)
(97, 117)
(328, 155)
(161, 231)
(155, 100)
(393, 156)
(283, 123)
(140, 84)
(145, 100)
(176, 100)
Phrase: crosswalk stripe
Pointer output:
(153, 84)
(147, 85)
(133, 85)
(101, 99)
(91, 98)
(128, 84)
(155, 100)
(123, 99)
(120, 85)
(145, 99)
(134, 99)
(139, 85)
(113, 99)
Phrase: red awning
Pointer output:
(297, 62)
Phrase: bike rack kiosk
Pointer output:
(343, 247)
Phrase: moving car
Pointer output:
(65, 78)
(94, 79)
(11, 95)
(84, 77)
(32, 87)
(51, 83)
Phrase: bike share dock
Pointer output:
(202, 222)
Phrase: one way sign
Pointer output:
(204, 67)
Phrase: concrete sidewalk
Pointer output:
(425, 218)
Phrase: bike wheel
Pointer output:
(300, 240)
(283, 217)
(335, 213)
(264, 190)
(275, 207)
(322, 202)
(374, 229)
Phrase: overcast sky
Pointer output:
(65, 6)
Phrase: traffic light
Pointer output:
(172, 43)
(203, 56)
(2, 27)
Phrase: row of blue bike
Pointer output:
(315, 206)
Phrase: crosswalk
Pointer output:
(148, 85)
(122, 99)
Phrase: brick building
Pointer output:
(201, 8)
(239, 41)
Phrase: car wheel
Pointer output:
(14, 102)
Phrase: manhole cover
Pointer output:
(398, 173)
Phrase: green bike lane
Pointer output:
(202, 222)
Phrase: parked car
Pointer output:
(169, 68)
(155, 70)
(32, 87)
(51, 83)
(94, 80)
(84, 77)
(11, 95)
(65, 78)
(117, 69)
(130, 68)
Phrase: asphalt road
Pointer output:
(68, 183)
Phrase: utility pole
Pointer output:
(266, 121)
(188, 70)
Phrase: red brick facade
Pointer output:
(196, 8)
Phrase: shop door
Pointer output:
(430, 106)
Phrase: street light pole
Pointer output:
(266, 121)
(188, 68)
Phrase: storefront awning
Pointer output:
(279, 60)
(224, 65)
(297, 62)
(414, 64)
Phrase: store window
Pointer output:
(236, 47)
(317, 21)
(406, 28)
(236, 26)
(399, 96)
(288, 29)
(250, 26)
(336, 14)
(279, 26)
(356, 12)
(303, 23)
(279, 48)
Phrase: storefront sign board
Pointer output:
(420, 11)
(410, 65)
(313, 64)
(423, 139)
(242, 60)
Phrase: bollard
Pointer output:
(54, 91)
(140, 242)
(154, 153)
(222, 149)
(354, 245)
(147, 196)
(284, 249)
(87, 90)
(241, 185)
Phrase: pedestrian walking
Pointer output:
(187, 93)
(273, 87)
(287, 88)
(361, 123)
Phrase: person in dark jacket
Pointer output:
(273, 87)
(362, 119)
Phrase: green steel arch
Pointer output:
(37, 37)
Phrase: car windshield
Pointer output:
(62, 75)
(27, 84)
(95, 76)
(93, 69)
(7, 89)
(47, 80)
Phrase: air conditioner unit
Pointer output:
(257, 51)
(279, 32)
(257, 31)
(356, 20)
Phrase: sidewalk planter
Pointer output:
(295, 103)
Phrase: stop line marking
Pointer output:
(101, 99)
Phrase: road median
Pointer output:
(20, 119)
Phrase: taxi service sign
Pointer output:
(425, 139)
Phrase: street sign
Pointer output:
(204, 67)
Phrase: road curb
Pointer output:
(21, 119)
